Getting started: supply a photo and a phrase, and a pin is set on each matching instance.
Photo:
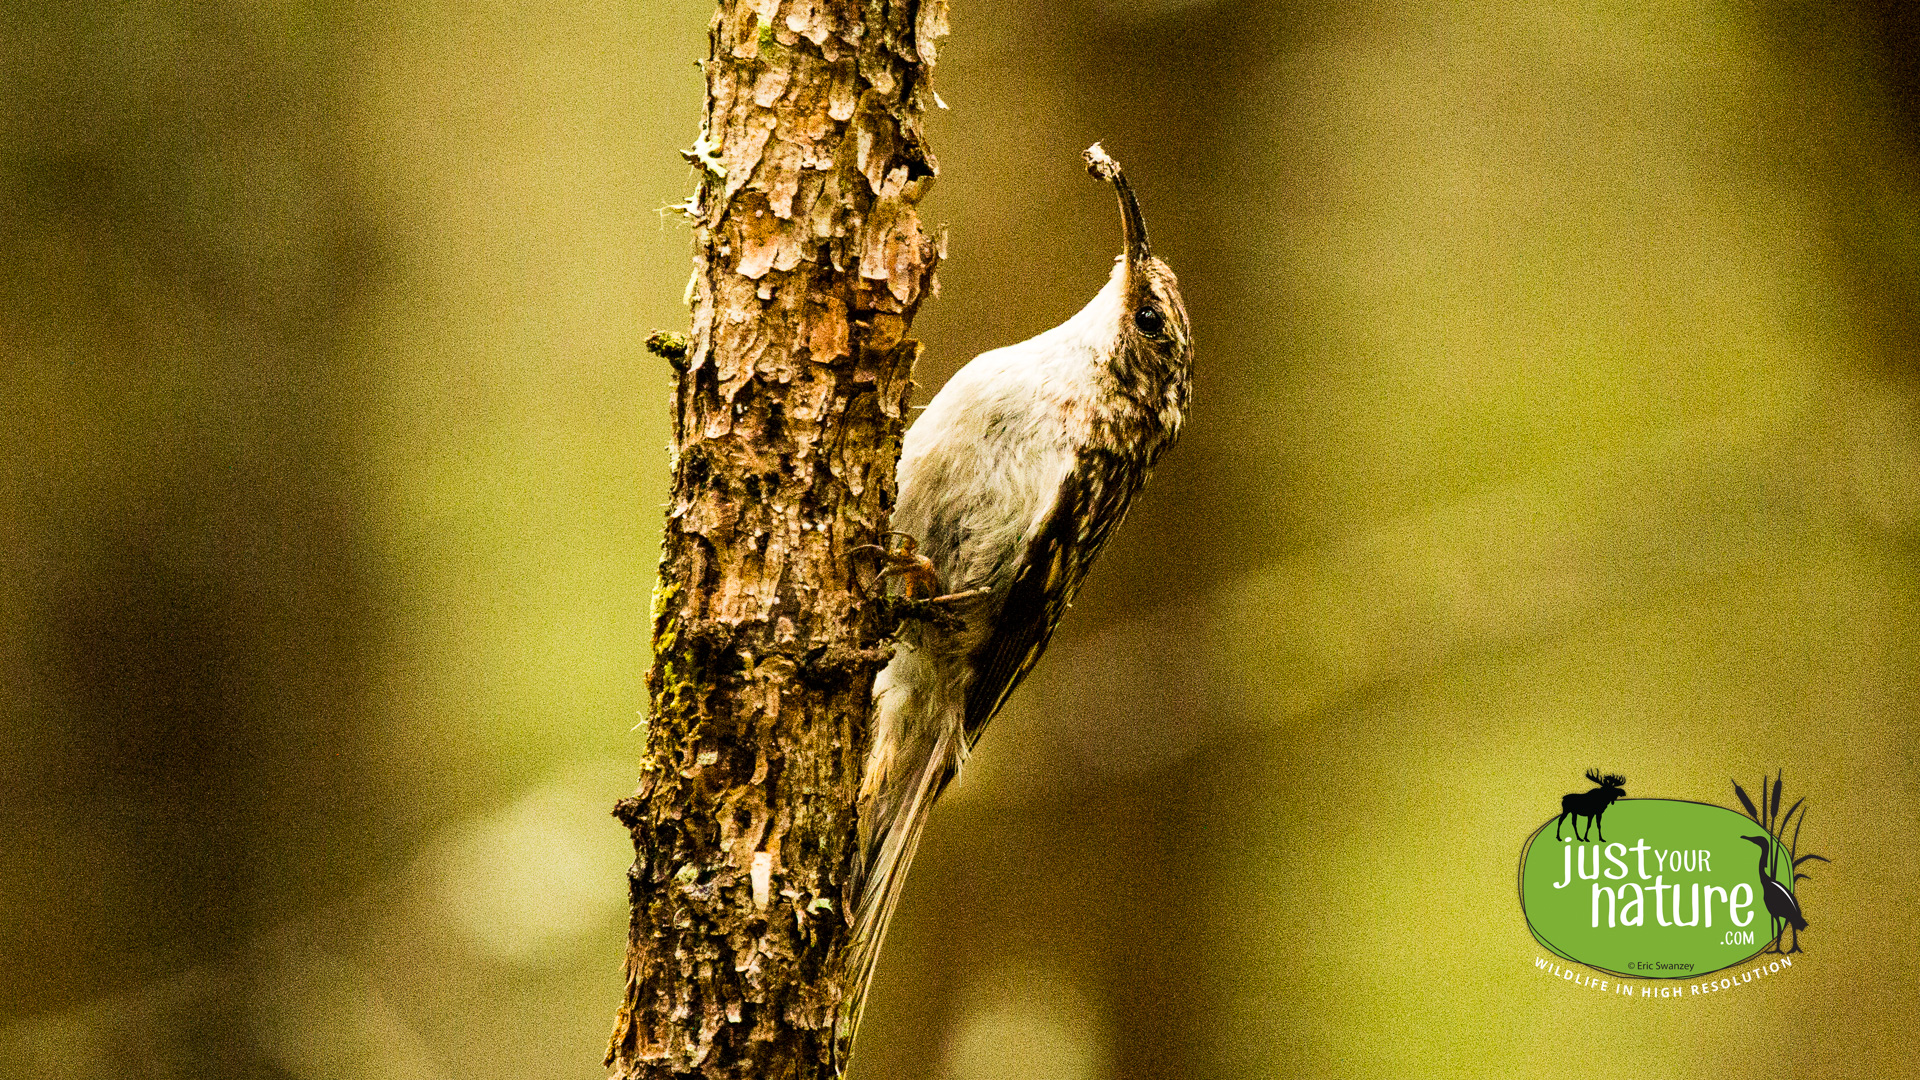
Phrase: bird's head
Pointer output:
(1766, 843)
(1153, 326)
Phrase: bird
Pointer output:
(1780, 902)
(1010, 483)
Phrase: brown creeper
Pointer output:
(1012, 480)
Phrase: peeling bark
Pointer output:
(790, 403)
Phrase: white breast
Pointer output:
(982, 466)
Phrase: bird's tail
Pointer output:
(908, 775)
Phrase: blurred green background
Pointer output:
(1557, 406)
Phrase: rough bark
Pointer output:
(790, 403)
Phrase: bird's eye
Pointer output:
(1149, 321)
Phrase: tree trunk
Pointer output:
(790, 403)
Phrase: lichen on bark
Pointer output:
(788, 410)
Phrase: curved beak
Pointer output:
(1104, 167)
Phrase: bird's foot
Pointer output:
(935, 611)
(913, 589)
(908, 574)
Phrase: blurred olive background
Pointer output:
(1557, 406)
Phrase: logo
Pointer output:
(1681, 890)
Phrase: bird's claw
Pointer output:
(909, 575)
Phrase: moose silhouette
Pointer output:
(1590, 804)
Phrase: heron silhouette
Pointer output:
(1780, 903)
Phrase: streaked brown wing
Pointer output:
(1056, 562)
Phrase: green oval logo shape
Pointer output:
(1677, 889)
